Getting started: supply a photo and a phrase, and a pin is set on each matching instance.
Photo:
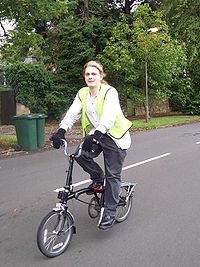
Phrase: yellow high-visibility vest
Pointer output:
(121, 125)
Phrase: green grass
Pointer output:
(8, 141)
(163, 121)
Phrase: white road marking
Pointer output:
(198, 143)
(123, 169)
(82, 182)
(146, 161)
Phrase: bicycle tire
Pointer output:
(55, 233)
(124, 206)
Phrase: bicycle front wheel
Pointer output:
(55, 233)
(124, 206)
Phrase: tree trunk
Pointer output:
(128, 6)
(86, 10)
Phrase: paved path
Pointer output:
(162, 230)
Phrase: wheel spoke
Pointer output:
(50, 242)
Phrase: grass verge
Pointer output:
(8, 141)
(163, 121)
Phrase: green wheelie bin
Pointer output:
(40, 124)
(30, 130)
(26, 131)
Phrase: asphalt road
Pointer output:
(161, 231)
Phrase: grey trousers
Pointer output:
(113, 161)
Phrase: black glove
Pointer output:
(90, 140)
(56, 138)
(97, 136)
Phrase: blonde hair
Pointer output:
(98, 66)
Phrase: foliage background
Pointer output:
(62, 35)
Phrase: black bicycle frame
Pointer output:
(68, 193)
(69, 172)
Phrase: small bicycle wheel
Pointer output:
(93, 208)
(55, 233)
(124, 206)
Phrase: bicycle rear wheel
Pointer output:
(55, 233)
(124, 206)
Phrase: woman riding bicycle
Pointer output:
(105, 129)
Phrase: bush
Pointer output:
(31, 83)
(40, 90)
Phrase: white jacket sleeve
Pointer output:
(73, 114)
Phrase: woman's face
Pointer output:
(92, 77)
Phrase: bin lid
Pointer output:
(31, 116)
(41, 116)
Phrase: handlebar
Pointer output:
(65, 146)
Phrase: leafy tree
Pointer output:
(155, 4)
(32, 18)
(129, 47)
(70, 44)
(184, 20)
